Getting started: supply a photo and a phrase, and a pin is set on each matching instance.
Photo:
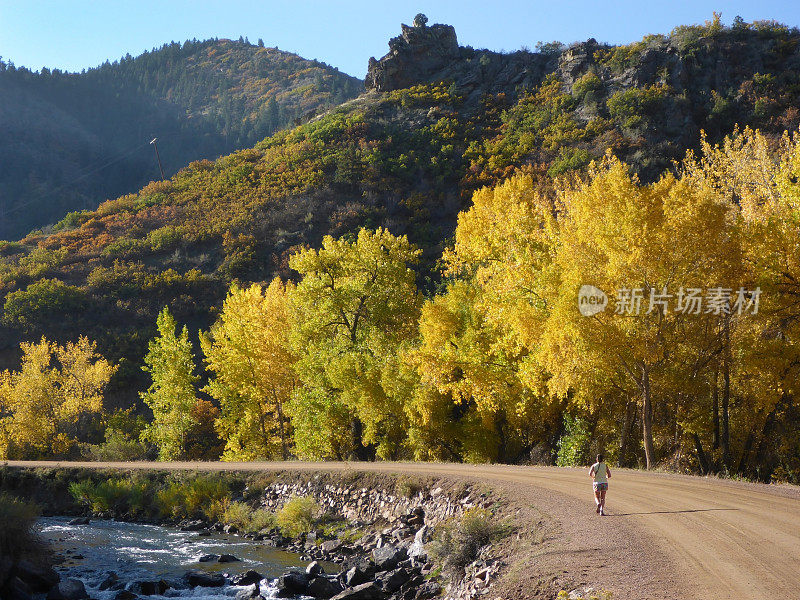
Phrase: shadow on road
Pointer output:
(668, 512)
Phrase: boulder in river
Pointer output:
(148, 588)
(228, 558)
(247, 578)
(193, 526)
(19, 590)
(79, 521)
(208, 558)
(201, 579)
(125, 595)
(292, 583)
(249, 593)
(69, 589)
(314, 569)
(109, 581)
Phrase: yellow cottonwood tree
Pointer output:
(42, 403)
(636, 243)
(248, 352)
(470, 381)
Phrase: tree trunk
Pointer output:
(748, 444)
(627, 425)
(726, 394)
(715, 407)
(282, 429)
(647, 419)
(701, 455)
(761, 452)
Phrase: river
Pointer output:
(137, 552)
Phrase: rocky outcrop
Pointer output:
(417, 54)
(432, 55)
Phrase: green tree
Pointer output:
(356, 303)
(171, 395)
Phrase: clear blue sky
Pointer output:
(77, 34)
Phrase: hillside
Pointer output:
(72, 140)
(438, 122)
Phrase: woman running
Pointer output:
(600, 474)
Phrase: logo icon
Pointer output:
(591, 300)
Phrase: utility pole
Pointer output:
(158, 157)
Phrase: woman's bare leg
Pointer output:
(602, 500)
(597, 499)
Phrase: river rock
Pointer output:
(247, 578)
(228, 558)
(40, 578)
(249, 593)
(331, 546)
(393, 581)
(125, 595)
(109, 581)
(70, 589)
(193, 526)
(79, 521)
(323, 587)
(292, 583)
(201, 579)
(314, 569)
(358, 575)
(386, 558)
(148, 588)
(208, 558)
(365, 591)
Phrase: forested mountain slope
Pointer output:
(73, 140)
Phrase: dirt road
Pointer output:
(666, 536)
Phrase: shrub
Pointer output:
(72, 220)
(39, 302)
(247, 519)
(124, 247)
(588, 87)
(573, 446)
(297, 516)
(192, 498)
(407, 488)
(119, 446)
(629, 107)
(459, 542)
(164, 238)
(17, 523)
(569, 159)
(120, 497)
(122, 441)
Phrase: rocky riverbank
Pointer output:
(375, 541)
